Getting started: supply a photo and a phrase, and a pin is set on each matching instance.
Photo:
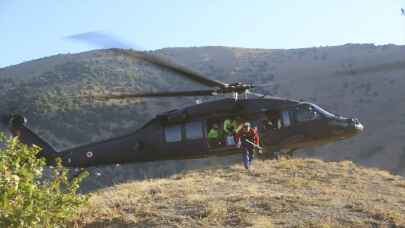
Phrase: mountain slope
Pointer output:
(350, 80)
(288, 193)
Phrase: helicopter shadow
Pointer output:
(107, 176)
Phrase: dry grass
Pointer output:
(289, 193)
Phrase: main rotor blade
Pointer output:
(170, 65)
(159, 94)
(104, 40)
(100, 39)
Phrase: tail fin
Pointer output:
(17, 125)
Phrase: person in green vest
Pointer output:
(228, 127)
(229, 131)
(214, 132)
(214, 135)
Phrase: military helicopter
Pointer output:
(283, 124)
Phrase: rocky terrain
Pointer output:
(287, 193)
(354, 80)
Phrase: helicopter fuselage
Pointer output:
(182, 134)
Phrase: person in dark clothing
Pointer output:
(248, 140)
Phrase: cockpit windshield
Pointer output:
(308, 112)
(322, 111)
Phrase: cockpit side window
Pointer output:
(306, 113)
(323, 111)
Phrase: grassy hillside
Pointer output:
(289, 193)
(344, 79)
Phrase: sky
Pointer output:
(34, 29)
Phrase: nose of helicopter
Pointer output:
(347, 127)
(358, 127)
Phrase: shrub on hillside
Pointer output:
(27, 198)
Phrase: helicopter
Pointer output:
(283, 124)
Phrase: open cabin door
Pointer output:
(221, 138)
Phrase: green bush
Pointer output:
(27, 197)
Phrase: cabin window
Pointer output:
(173, 133)
(305, 114)
(194, 130)
(286, 118)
